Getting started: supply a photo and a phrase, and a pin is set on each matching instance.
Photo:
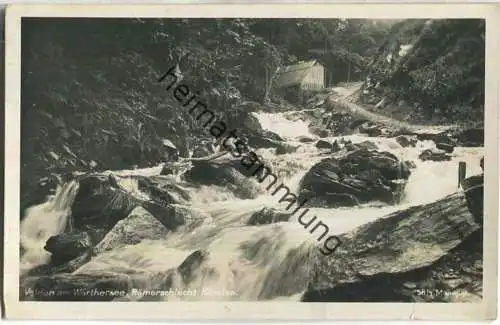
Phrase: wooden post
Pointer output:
(461, 172)
(349, 72)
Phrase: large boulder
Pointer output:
(136, 227)
(353, 177)
(99, 203)
(65, 247)
(228, 173)
(428, 253)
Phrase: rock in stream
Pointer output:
(425, 253)
(355, 177)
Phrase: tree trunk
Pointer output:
(267, 86)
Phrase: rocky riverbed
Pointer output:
(404, 224)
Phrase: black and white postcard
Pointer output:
(283, 162)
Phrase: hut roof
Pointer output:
(293, 74)
(169, 144)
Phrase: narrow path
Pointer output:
(343, 93)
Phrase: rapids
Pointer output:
(245, 262)
(45, 220)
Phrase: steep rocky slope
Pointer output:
(430, 70)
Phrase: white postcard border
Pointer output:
(249, 310)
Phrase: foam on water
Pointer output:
(43, 221)
(255, 262)
(285, 127)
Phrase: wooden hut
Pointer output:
(294, 80)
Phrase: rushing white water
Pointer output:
(433, 180)
(246, 262)
(286, 127)
(43, 221)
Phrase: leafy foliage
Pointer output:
(90, 96)
(436, 65)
